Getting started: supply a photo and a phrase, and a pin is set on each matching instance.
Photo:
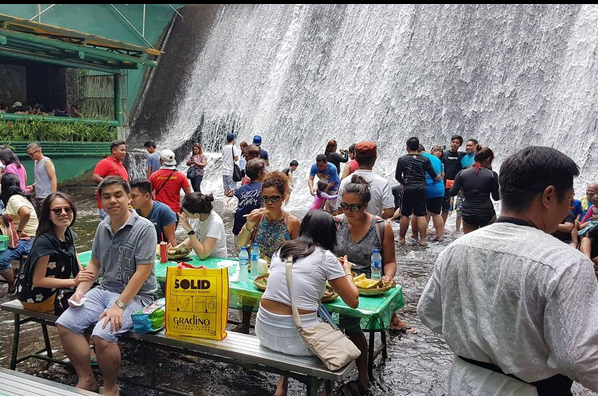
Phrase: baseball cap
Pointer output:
(366, 149)
(257, 140)
(230, 137)
(17, 104)
(168, 157)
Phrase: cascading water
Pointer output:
(299, 75)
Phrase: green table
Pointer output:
(375, 313)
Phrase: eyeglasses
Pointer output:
(66, 209)
(351, 207)
(271, 199)
(32, 154)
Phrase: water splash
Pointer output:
(298, 75)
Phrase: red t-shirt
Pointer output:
(110, 166)
(170, 191)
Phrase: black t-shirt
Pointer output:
(565, 236)
(336, 159)
(452, 164)
(477, 185)
(411, 171)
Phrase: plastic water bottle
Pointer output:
(255, 256)
(376, 264)
(243, 262)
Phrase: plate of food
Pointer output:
(261, 282)
(372, 287)
(176, 253)
(329, 295)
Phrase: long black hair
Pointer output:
(45, 224)
(7, 156)
(11, 185)
(318, 229)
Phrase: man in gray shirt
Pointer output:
(124, 250)
(152, 163)
(45, 175)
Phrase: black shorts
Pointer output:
(434, 205)
(478, 220)
(594, 252)
(414, 202)
(397, 192)
(446, 203)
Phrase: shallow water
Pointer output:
(417, 364)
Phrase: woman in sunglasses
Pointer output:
(52, 264)
(358, 234)
(269, 226)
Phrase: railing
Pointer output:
(64, 120)
(63, 149)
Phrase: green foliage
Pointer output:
(37, 130)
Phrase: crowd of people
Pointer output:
(40, 110)
(504, 294)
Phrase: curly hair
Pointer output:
(278, 180)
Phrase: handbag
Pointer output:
(237, 175)
(325, 340)
(190, 172)
(7, 228)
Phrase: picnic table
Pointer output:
(375, 312)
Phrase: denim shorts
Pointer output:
(98, 300)
(8, 255)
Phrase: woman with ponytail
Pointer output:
(478, 183)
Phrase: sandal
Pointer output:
(12, 288)
(403, 330)
(353, 390)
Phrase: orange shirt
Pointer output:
(110, 166)
(169, 190)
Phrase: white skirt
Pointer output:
(278, 332)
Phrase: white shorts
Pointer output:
(278, 332)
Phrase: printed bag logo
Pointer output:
(197, 302)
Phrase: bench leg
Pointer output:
(47, 340)
(15, 343)
(328, 388)
(313, 386)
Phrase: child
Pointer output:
(590, 220)
(321, 197)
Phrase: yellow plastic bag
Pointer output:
(196, 301)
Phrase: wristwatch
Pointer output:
(192, 232)
(120, 304)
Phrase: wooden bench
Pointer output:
(237, 349)
(13, 383)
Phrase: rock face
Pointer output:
(507, 75)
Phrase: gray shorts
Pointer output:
(333, 202)
(99, 299)
(228, 183)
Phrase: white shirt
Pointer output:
(520, 299)
(213, 227)
(227, 159)
(380, 190)
(309, 276)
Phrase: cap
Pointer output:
(257, 140)
(366, 149)
(17, 104)
(168, 157)
(230, 137)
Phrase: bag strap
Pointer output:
(164, 184)
(296, 316)
(379, 224)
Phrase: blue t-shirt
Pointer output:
(161, 215)
(250, 197)
(467, 160)
(153, 161)
(576, 208)
(330, 175)
(263, 154)
(434, 189)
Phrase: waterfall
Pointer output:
(299, 75)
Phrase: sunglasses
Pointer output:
(351, 207)
(32, 154)
(58, 211)
(271, 199)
